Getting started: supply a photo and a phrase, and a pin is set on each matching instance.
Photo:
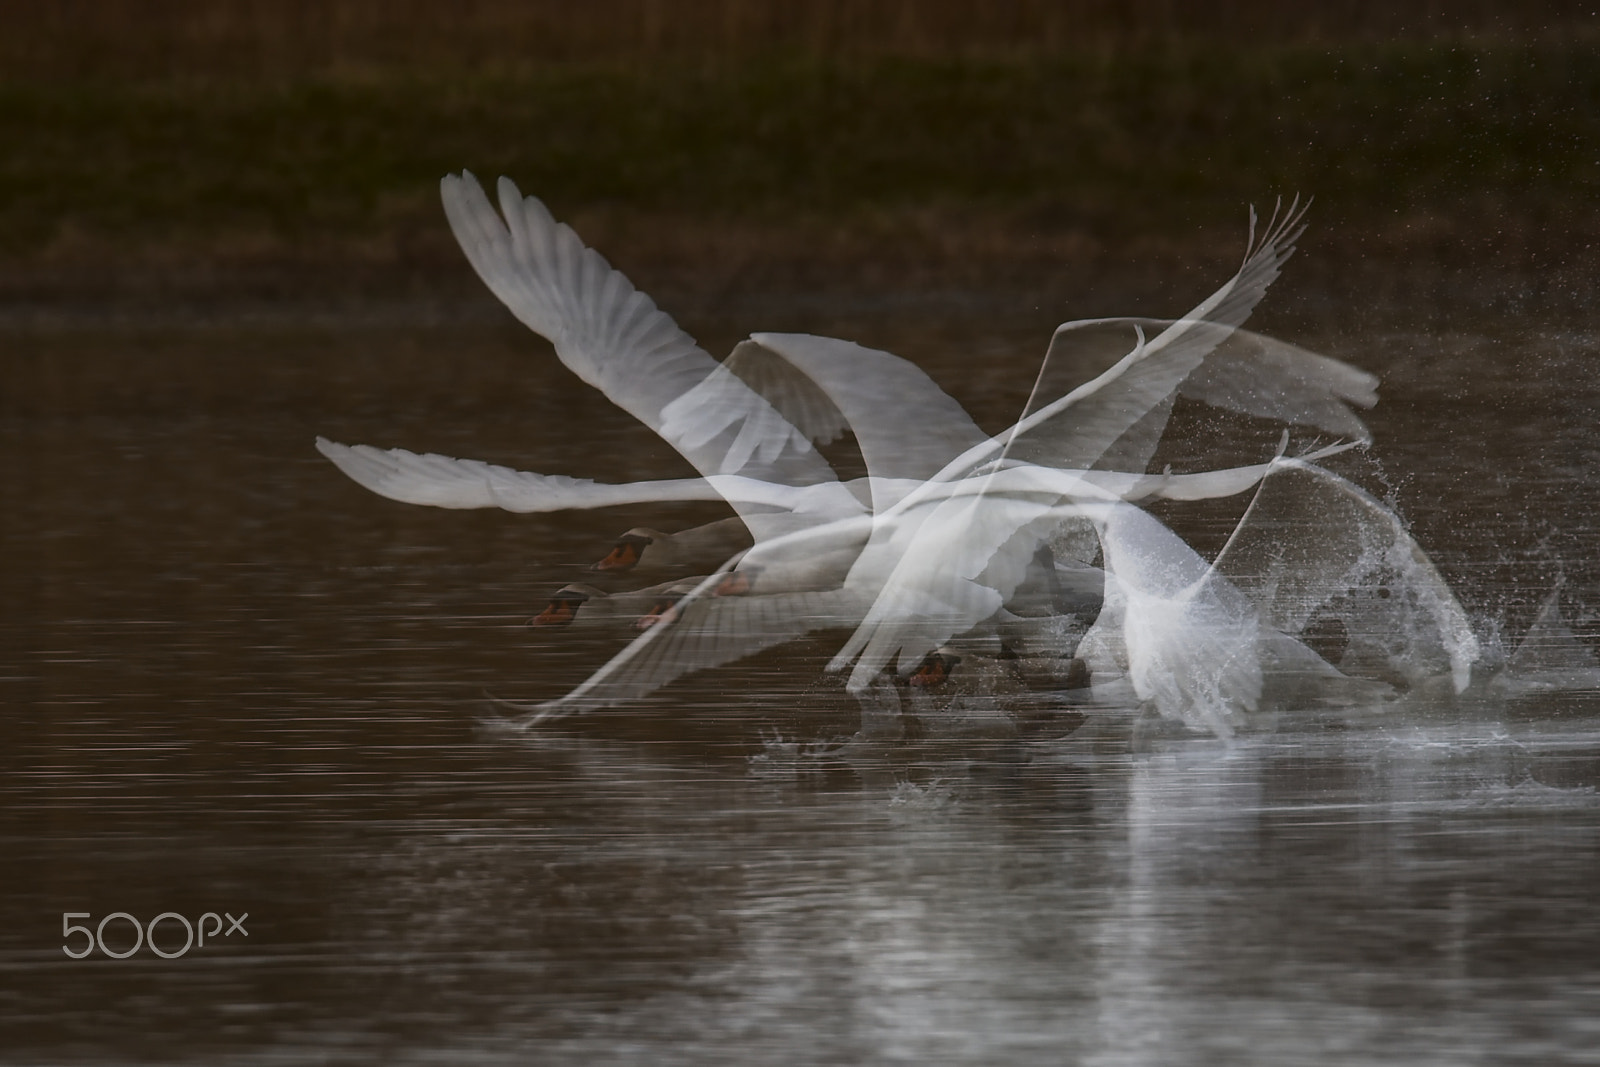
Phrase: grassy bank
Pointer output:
(789, 156)
(229, 40)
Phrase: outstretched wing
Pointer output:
(616, 339)
(704, 631)
(1078, 428)
(1247, 372)
(1191, 639)
(906, 426)
(443, 482)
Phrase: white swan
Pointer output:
(966, 580)
(747, 424)
(967, 552)
(905, 424)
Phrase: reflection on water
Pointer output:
(236, 682)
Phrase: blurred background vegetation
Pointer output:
(291, 149)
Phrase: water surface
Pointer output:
(236, 682)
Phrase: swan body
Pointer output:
(713, 629)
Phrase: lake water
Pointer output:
(237, 683)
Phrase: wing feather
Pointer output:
(444, 482)
(616, 339)
(709, 631)
(1111, 404)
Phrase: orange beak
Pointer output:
(935, 670)
(735, 583)
(559, 613)
(621, 558)
(662, 612)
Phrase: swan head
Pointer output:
(663, 610)
(629, 550)
(935, 669)
(564, 605)
(738, 582)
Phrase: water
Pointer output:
(235, 682)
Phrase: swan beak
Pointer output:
(664, 612)
(934, 670)
(735, 583)
(559, 613)
(621, 558)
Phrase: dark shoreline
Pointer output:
(1335, 282)
(1472, 164)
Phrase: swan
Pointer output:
(1151, 369)
(644, 551)
(748, 424)
(803, 388)
(1190, 641)
(712, 629)
(1143, 381)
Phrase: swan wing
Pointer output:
(906, 426)
(1078, 429)
(708, 631)
(1246, 372)
(615, 338)
(1313, 543)
(1190, 639)
(1254, 374)
(796, 396)
(1196, 485)
(1115, 401)
(445, 482)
